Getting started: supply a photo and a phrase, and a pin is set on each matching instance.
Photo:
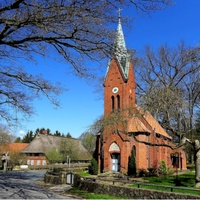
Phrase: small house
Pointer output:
(44, 144)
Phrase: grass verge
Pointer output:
(186, 180)
(83, 173)
(88, 195)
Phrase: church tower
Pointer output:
(124, 120)
(119, 97)
(119, 84)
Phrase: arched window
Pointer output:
(113, 103)
(114, 147)
(118, 102)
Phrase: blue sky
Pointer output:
(80, 106)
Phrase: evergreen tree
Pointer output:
(57, 133)
(41, 131)
(28, 137)
(163, 169)
(132, 163)
(68, 135)
(48, 131)
(93, 167)
(18, 140)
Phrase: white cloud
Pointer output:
(21, 133)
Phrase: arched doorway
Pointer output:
(177, 160)
(115, 157)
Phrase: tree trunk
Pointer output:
(197, 164)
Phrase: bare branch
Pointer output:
(71, 30)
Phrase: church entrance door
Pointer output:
(115, 162)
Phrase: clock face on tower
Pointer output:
(115, 90)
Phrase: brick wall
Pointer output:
(127, 192)
(146, 156)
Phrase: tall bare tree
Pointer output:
(5, 138)
(72, 30)
(169, 86)
(5, 135)
(88, 140)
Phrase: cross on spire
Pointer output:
(119, 13)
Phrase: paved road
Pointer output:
(23, 185)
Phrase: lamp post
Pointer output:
(67, 159)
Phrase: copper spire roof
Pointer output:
(120, 50)
(120, 45)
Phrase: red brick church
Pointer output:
(127, 121)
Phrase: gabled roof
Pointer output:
(136, 124)
(155, 125)
(18, 146)
(43, 143)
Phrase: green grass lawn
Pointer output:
(184, 180)
(83, 173)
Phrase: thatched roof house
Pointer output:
(44, 143)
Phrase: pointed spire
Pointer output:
(120, 45)
(120, 49)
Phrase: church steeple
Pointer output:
(119, 83)
(120, 45)
(120, 50)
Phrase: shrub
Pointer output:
(153, 171)
(93, 167)
(191, 167)
(170, 171)
(143, 173)
(132, 164)
(163, 169)
(53, 156)
(57, 170)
